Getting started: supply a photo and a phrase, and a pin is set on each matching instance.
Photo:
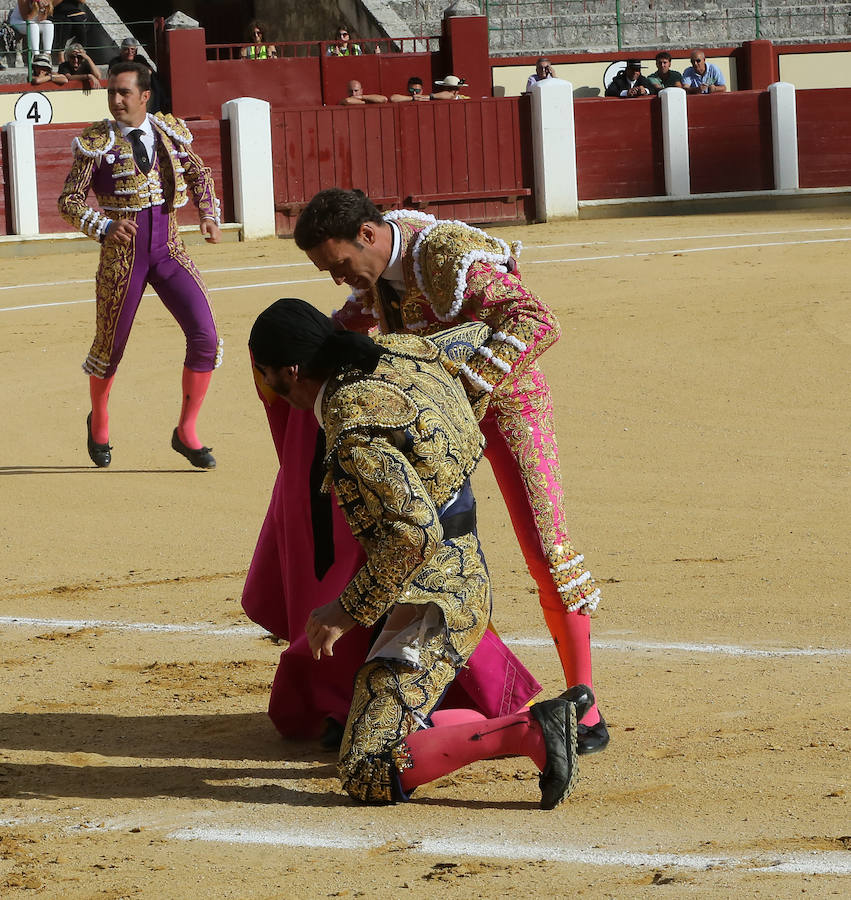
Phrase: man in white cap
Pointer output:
(450, 89)
(43, 73)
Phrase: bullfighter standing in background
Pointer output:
(142, 169)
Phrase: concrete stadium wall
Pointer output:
(527, 27)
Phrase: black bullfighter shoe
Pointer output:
(557, 719)
(589, 738)
(99, 454)
(202, 458)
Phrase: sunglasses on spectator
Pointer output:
(342, 34)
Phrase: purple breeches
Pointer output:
(157, 257)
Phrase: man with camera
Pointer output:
(543, 70)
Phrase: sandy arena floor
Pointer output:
(702, 392)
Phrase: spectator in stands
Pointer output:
(78, 66)
(8, 43)
(258, 49)
(43, 71)
(32, 18)
(629, 82)
(664, 76)
(450, 85)
(356, 96)
(344, 46)
(543, 70)
(129, 52)
(702, 77)
(415, 92)
(72, 20)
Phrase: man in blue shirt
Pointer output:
(702, 77)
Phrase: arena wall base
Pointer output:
(704, 204)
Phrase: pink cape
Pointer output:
(281, 589)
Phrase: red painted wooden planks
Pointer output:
(824, 136)
(619, 148)
(730, 142)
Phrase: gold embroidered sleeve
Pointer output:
(199, 179)
(523, 326)
(72, 201)
(391, 515)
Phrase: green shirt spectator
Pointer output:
(664, 76)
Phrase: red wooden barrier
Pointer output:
(54, 156)
(385, 73)
(619, 148)
(469, 160)
(824, 135)
(283, 82)
(730, 142)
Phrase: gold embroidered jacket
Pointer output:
(457, 273)
(400, 442)
(103, 161)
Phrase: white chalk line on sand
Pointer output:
(821, 862)
(211, 290)
(621, 646)
(682, 251)
(478, 846)
(529, 246)
(670, 251)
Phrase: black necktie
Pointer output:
(391, 306)
(320, 512)
(140, 154)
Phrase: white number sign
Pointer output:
(34, 108)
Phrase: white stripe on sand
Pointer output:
(685, 647)
(669, 251)
(682, 251)
(689, 237)
(111, 625)
(623, 646)
(814, 863)
(211, 290)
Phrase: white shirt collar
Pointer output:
(317, 403)
(146, 128)
(394, 273)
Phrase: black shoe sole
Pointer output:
(553, 791)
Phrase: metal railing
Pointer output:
(140, 30)
(302, 49)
